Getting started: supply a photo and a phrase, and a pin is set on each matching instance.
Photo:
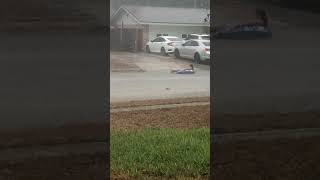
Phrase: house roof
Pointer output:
(165, 15)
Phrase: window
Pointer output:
(188, 43)
(194, 43)
(206, 37)
(174, 39)
(165, 34)
(161, 40)
(158, 35)
(184, 36)
(193, 37)
(156, 40)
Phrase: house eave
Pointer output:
(126, 11)
(174, 24)
(141, 22)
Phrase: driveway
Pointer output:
(153, 79)
(142, 62)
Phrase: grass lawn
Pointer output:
(165, 153)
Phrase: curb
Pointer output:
(153, 107)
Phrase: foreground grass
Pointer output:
(161, 152)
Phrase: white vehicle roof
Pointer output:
(199, 40)
(203, 40)
(200, 34)
(169, 37)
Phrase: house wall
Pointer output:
(145, 36)
(128, 21)
(150, 32)
(132, 31)
(174, 30)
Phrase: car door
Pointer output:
(189, 49)
(153, 45)
(160, 44)
(183, 49)
(193, 48)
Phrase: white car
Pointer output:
(198, 50)
(163, 44)
(198, 37)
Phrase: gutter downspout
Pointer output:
(121, 35)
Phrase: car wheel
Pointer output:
(177, 53)
(148, 49)
(163, 52)
(196, 58)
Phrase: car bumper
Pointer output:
(205, 57)
(170, 50)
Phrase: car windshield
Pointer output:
(206, 37)
(174, 39)
(206, 43)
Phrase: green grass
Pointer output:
(161, 152)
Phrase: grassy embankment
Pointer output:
(165, 153)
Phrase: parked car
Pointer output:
(198, 50)
(198, 37)
(163, 44)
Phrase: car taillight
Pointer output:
(207, 49)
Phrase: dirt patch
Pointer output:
(124, 67)
(158, 102)
(119, 64)
(180, 117)
(285, 159)
(223, 123)
(124, 177)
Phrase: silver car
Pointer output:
(198, 50)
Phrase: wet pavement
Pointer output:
(156, 81)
